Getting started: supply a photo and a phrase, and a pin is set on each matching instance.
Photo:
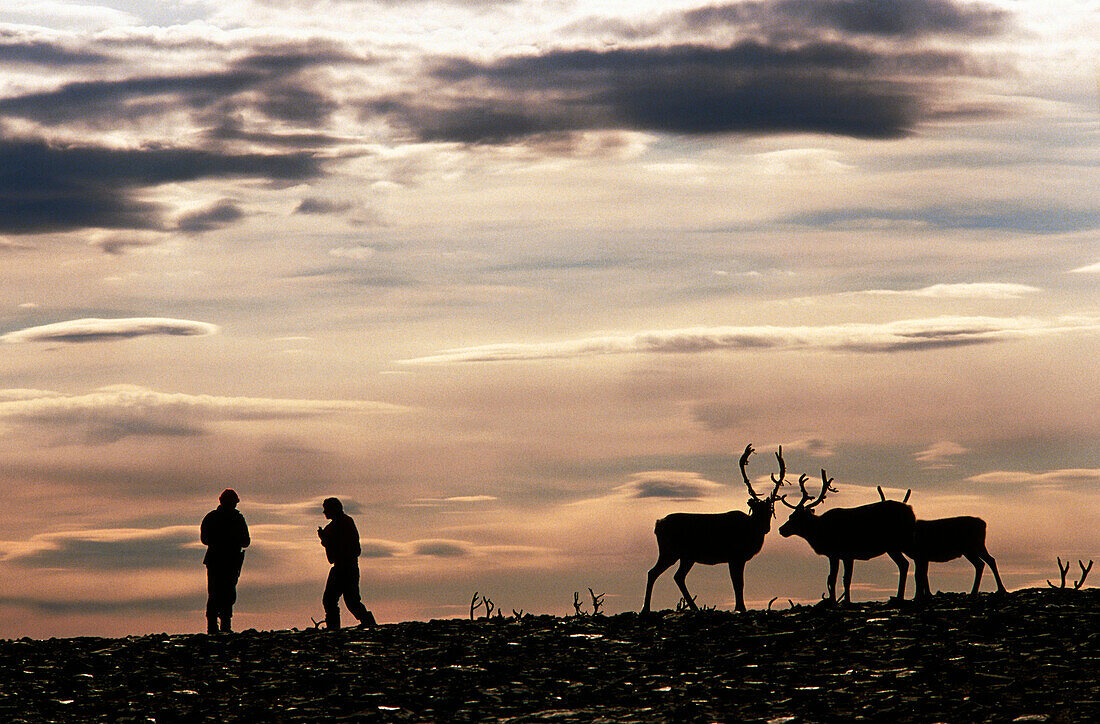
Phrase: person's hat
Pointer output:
(229, 495)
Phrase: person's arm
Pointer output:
(204, 530)
(245, 538)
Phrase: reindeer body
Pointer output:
(946, 539)
(712, 538)
(855, 534)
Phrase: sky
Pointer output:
(515, 278)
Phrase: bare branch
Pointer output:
(881, 495)
(771, 602)
(474, 605)
(907, 494)
(577, 604)
(489, 606)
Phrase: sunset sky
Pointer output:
(515, 278)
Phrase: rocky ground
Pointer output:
(1030, 656)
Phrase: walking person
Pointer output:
(225, 534)
(341, 541)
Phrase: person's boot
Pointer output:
(227, 624)
(367, 621)
(211, 624)
(332, 622)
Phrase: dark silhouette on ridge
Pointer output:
(712, 538)
(341, 541)
(851, 534)
(225, 534)
(945, 539)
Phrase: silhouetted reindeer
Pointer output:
(851, 534)
(945, 539)
(712, 538)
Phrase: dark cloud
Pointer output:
(220, 215)
(40, 52)
(379, 549)
(128, 98)
(69, 606)
(844, 67)
(441, 549)
(895, 18)
(126, 553)
(669, 485)
(276, 84)
(230, 128)
(51, 188)
(314, 205)
(833, 87)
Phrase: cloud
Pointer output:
(358, 252)
(221, 214)
(900, 336)
(908, 19)
(668, 485)
(112, 549)
(786, 66)
(978, 215)
(48, 187)
(1067, 478)
(1089, 269)
(940, 455)
(441, 548)
(102, 330)
(83, 606)
(16, 49)
(270, 83)
(112, 413)
(975, 290)
(748, 87)
(314, 205)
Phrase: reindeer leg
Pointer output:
(849, 564)
(662, 564)
(903, 570)
(834, 563)
(979, 566)
(737, 575)
(920, 573)
(993, 567)
(680, 575)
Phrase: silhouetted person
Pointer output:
(341, 541)
(225, 534)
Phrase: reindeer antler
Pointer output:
(742, 463)
(826, 487)
(805, 495)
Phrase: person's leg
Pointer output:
(331, 599)
(352, 598)
(212, 602)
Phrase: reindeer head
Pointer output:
(763, 506)
(804, 511)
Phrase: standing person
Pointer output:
(225, 534)
(341, 541)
